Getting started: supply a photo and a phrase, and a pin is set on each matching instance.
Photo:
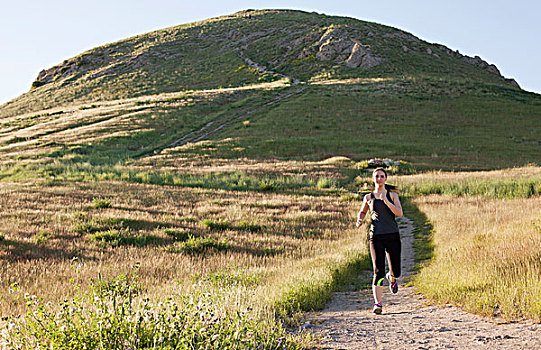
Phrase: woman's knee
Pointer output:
(379, 277)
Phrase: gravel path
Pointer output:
(409, 321)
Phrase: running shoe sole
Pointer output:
(393, 286)
(377, 309)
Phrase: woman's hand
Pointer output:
(359, 221)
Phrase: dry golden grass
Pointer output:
(441, 176)
(487, 256)
(324, 80)
(293, 230)
(170, 159)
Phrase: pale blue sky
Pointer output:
(40, 34)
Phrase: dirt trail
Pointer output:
(409, 321)
(213, 127)
(217, 125)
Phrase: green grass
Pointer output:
(232, 180)
(111, 315)
(180, 234)
(216, 225)
(499, 188)
(461, 132)
(423, 232)
(511, 188)
(249, 226)
(455, 126)
(102, 203)
(42, 237)
(196, 245)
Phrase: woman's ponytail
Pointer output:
(392, 188)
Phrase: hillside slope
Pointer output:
(273, 84)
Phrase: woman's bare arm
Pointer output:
(363, 211)
(396, 208)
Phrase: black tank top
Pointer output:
(383, 219)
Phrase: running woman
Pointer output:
(384, 238)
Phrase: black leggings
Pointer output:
(379, 245)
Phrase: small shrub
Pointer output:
(219, 225)
(272, 251)
(82, 108)
(111, 237)
(250, 227)
(2, 237)
(42, 237)
(312, 232)
(117, 237)
(94, 225)
(188, 219)
(349, 197)
(362, 165)
(267, 185)
(101, 203)
(198, 245)
(404, 168)
(180, 234)
(80, 215)
(324, 182)
(86, 227)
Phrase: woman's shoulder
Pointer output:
(393, 194)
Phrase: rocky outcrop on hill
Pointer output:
(479, 62)
(73, 67)
(100, 62)
(337, 45)
(474, 61)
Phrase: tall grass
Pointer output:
(495, 188)
(523, 182)
(486, 255)
(228, 180)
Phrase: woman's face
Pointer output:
(379, 178)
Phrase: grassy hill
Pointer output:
(276, 84)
